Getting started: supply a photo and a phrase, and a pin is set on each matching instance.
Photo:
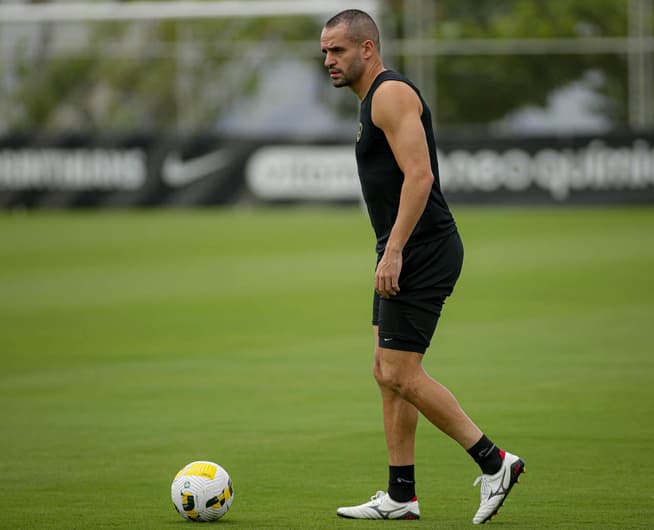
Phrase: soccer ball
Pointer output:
(202, 491)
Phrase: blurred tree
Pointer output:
(141, 76)
(164, 76)
(479, 89)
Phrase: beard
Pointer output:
(342, 81)
(353, 74)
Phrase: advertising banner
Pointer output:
(208, 170)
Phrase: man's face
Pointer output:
(342, 56)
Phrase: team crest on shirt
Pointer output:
(359, 131)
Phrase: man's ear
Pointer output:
(368, 48)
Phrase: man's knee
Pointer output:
(395, 376)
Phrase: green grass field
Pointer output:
(135, 342)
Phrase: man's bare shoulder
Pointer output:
(394, 88)
(393, 100)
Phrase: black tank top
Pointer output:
(381, 178)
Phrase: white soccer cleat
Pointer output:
(495, 488)
(381, 506)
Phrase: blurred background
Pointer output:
(191, 103)
(163, 300)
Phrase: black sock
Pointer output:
(487, 455)
(401, 483)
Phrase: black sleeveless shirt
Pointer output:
(381, 177)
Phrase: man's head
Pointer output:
(359, 25)
(349, 40)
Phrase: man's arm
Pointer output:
(396, 110)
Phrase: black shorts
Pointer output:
(407, 321)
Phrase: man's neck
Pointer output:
(362, 87)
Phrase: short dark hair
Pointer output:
(360, 26)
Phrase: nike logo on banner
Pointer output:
(177, 173)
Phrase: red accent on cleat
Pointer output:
(502, 454)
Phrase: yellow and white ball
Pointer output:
(202, 491)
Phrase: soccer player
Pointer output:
(419, 260)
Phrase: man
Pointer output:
(419, 260)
